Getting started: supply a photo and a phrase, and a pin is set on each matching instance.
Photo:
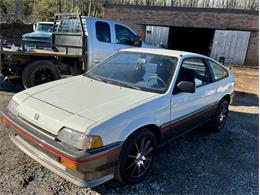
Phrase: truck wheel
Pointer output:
(136, 157)
(39, 72)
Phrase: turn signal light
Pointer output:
(4, 121)
(68, 163)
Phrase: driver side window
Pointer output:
(194, 70)
(124, 35)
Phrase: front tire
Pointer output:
(136, 157)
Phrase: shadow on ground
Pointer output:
(245, 99)
(11, 86)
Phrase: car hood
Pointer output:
(79, 102)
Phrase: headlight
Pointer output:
(13, 107)
(79, 140)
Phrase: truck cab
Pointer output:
(42, 32)
(100, 37)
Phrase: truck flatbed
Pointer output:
(39, 52)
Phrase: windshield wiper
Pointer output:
(97, 78)
(131, 86)
(114, 82)
(124, 84)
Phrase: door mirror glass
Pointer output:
(186, 86)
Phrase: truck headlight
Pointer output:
(13, 107)
(79, 140)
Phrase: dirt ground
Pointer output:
(198, 163)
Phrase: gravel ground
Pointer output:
(198, 163)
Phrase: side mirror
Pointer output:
(34, 27)
(186, 86)
(138, 41)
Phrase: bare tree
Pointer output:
(58, 6)
(18, 10)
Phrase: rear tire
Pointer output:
(39, 72)
(220, 117)
(136, 157)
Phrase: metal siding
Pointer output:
(157, 35)
(232, 45)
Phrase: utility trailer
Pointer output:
(78, 43)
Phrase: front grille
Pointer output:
(37, 128)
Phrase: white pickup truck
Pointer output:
(78, 43)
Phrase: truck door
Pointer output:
(124, 37)
(102, 46)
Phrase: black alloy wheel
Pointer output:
(43, 75)
(136, 157)
(39, 72)
(222, 113)
(220, 117)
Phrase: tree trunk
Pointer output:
(18, 10)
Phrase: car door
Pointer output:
(188, 110)
(102, 41)
(124, 37)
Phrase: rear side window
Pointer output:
(218, 71)
(124, 35)
(194, 70)
(103, 32)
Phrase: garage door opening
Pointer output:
(198, 40)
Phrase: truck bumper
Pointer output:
(90, 168)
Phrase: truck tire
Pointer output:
(39, 72)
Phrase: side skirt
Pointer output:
(186, 131)
(178, 127)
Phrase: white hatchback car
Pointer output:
(109, 122)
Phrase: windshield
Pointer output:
(141, 71)
(44, 27)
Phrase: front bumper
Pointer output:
(92, 168)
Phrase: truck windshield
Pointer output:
(44, 27)
(136, 70)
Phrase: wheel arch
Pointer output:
(227, 97)
(152, 127)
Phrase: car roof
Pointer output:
(167, 52)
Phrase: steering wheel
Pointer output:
(157, 78)
(124, 40)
